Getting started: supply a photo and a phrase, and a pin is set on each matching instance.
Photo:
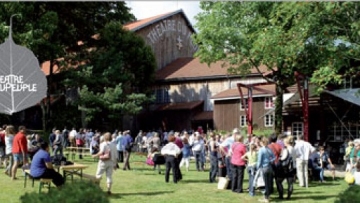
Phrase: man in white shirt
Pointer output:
(58, 143)
(72, 135)
(303, 150)
(197, 148)
(225, 147)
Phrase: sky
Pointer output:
(145, 9)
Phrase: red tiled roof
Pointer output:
(137, 25)
(189, 67)
(45, 67)
(179, 106)
(133, 26)
(235, 94)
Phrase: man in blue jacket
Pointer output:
(127, 143)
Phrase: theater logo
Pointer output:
(22, 83)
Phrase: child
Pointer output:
(156, 158)
(251, 157)
(186, 154)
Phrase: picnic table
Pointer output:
(76, 150)
(71, 170)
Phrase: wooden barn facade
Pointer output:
(169, 36)
(229, 110)
(186, 80)
(184, 87)
(191, 94)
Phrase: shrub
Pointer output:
(349, 195)
(79, 191)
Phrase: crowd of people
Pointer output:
(234, 154)
(29, 152)
(229, 155)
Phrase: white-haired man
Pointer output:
(225, 147)
(303, 149)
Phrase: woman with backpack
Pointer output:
(263, 165)
(287, 169)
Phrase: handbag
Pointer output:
(223, 183)
(106, 155)
(149, 161)
(259, 178)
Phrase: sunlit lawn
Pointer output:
(142, 184)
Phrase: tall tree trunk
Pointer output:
(278, 107)
(44, 118)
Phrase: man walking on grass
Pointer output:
(127, 143)
(303, 150)
(19, 150)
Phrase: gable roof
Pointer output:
(139, 24)
(235, 94)
(349, 95)
(180, 106)
(189, 68)
(132, 26)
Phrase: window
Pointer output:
(297, 128)
(162, 96)
(269, 104)
(241, 104)
(269, 120)
(243, 122)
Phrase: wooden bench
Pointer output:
(92, 178)
(42, 181)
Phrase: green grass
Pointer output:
(142, 184)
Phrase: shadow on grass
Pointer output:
(195, 181)
(296, 191)
(154, 174)
(119, 195)
(327, 184)
(302, 198)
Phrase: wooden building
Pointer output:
(169, 36)
(229, 108)
(184, 86)
(334, 115)
(186, 80)
(191, 94)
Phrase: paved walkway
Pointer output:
(339, 172)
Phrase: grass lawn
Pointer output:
(142, 184)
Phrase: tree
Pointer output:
(52, 30)
(284, 36)
(336, 42)
(115, 80)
